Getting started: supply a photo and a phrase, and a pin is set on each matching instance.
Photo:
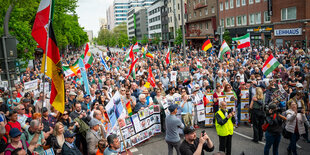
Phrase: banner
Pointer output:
(173, 76)
(31, 85)
(184, 73)
(209, 111)
(245, 105)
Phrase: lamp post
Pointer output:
(306, 37)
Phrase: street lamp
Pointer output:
(306, 36)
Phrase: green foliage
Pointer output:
(179, 37)
(134, 40)
(145, 40)
(117, 37)
(227, 37)
(65, 23)
(156, 40)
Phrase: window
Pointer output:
(194, 14)
(243, 2)
(257, 1)
(258, 18)
(288, 13)
(227, 22)
(213, 9)
(232, 21)
(178, 6)
(179, 16)
(266, 17)
(251, 1)
(221, 6)
(239, 21)
(231, 4)
(237, 3)
(244, 20)
(251, 19)
(226, 5)
(206, 11)
(207, 26)
(190, 15)
(205, 2)
(200, 13)
(222, 22)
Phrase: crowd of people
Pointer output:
(29, 123)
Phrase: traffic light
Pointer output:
(8, 56)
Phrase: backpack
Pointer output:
(266, 125)
(24, 145)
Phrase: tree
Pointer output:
(179, 38)
(156, 39)
(145, 40)
(227, 37)
(117, 37)
(134, 40)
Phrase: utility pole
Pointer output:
(183, 30)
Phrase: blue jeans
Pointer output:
(274, 140)
(293, 140)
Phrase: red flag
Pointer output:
(40, 25)
(131, 55)
(131, 67)
(151, 78)
(168, 57)
(86, 49)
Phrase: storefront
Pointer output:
(288, 37)
(260, 35)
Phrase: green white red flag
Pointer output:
(243, 41)
(271, 64)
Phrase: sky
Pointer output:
(90, 11)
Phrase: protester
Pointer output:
(172, 125)
(92, 136)
(57, 139)
(69, 148)
(35, 128)
(102, 145)
(194, 145)
(114, 145)
(258, 115)
(12, 123)
(224, 121)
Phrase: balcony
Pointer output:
(199, 6)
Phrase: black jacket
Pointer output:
(67, 150)
(275, 125)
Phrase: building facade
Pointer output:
(110, 18)
(174, 17)
(137, 23)
(240, 17)
(291, 20)
(90, 35)
(154, 20)
(103, 23)
(164, 23)
(201, 21)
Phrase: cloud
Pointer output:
(90, 11)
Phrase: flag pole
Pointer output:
(46, 48)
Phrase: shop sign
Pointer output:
(260, 29)
(288, 32)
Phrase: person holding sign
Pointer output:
(218, 92)
(187, 110)
(224, 123)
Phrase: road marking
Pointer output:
(245, 136)
(134, 149)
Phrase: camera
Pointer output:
(298, 110)
(230, 110)
(203, 132)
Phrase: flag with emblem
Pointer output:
(107, 58)
(271, 64)
(87, 57)
(136, 48)
(168, 56)
(51, 64)
(127, 57)
(72, 70)
(224, 48)
(199, 64)
(243, 41)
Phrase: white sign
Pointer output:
(31, 85)
(46, 87)
(173, 76)
(4, 84)
(288, 32)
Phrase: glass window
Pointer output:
(231, 4)
(190, 15)
(207, 26)
(243, 2)
(237, 3)
(222, 22)
(227, 22)
(266, 17)
(221, 6)
(200, 13)
(213, 9)
(244, 20)
(288, 13)
(251, 18)
(239, 21)
(258, 18)
(251, 1)
(257, 1)
(194, 14)
(206, 11)
(226, 5)
(232, 21)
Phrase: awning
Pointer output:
(195, 37)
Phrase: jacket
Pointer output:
(92, 138)
(275, 125)
(69, 150)
(291, 121)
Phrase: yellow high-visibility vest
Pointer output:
(227, 128)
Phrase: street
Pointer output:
(241, 143)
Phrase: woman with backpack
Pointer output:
(273, 128)
(258, 114)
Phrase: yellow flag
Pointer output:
(147, 85)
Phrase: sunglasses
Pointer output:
(65, 114)
(122, 90)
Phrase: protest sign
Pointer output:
(245, 105)
(230, 101)
(209, 110)
(115, 109)
(174, 76)
(4, 85)
(184, 73)
(31, 85)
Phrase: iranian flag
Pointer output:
(243, 41)
(72, 70)
(199, 64)
(168, 57)
(224, 48)
(136, 48)
(87, 57)
(270, 65)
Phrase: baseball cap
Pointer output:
(14, 132)
(299, 85)
(172, 107)
(93, 122)
(44, 109)
(98, 92)
(69, 134)
(72, 93)
(188, 130)
(26, 100)
(196, 85)
(86, 95)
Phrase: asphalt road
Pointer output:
(241, 143)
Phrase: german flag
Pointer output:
(207, 45)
